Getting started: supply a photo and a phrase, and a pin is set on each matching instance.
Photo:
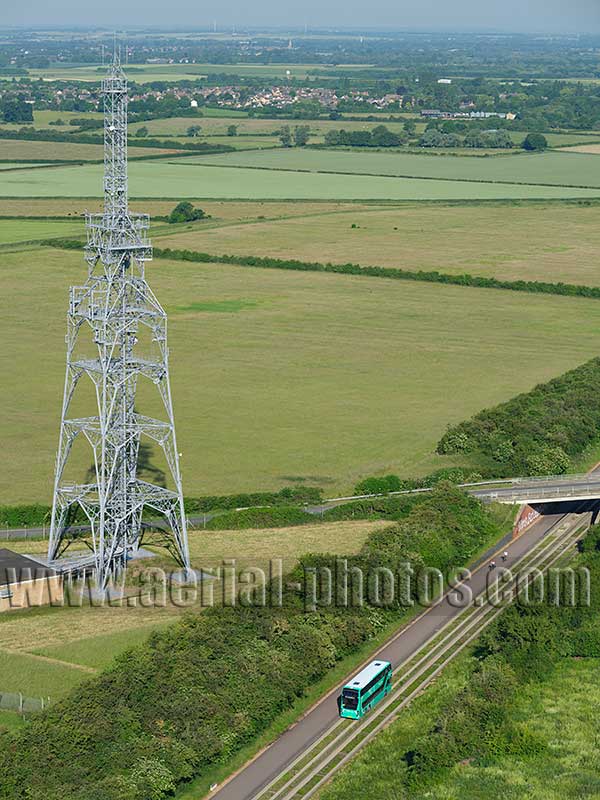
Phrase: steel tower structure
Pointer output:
(117, 336)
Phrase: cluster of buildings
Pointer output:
(435, 113)
(281, 97)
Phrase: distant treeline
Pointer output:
(534, 433)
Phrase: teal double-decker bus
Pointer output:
(366, 689)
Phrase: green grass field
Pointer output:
(25, 230)
(276, 392)
(546, 242)
(560, 169)
(563, 711)
(184, 178)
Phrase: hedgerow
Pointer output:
(277, 517)
(393, 273)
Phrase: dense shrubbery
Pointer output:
(284, 497)
(433, 137)
(186, 212)
(24, 516)
(277, 517)
(36, 515)
(392, 508)
(381, 136)
(194, 694)
(534, 433)
(392, 483)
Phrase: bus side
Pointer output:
(375, 691)
(356, 702)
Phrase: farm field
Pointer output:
(563, 712)
(42, 119)
(23, 150)
(559, 169)
(47, 652)
(222, 211)
(143, 73)
(271, 383)
(190, 178)
(552, 242)
(24, 230)
(590, 149)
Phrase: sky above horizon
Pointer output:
(543, 16)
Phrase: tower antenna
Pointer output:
(116, 339)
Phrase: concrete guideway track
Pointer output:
(310, 751)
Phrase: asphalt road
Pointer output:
(275, 758)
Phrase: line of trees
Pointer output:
(380, 136)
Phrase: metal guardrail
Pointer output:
(541, 494)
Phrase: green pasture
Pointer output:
(21, 672)
(558, 169)
(185, 177)
(547, 242)
(273, 391)
(26, 230)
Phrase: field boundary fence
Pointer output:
(17, 701)
(6, 534)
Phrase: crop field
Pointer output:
(47, 652)
(25, 230)
(559, 169)
(143, 73)
(253, 125)
(552, 242)
(183, 178)
(271, 382)
(590, 149)
(23, 150)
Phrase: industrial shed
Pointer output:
(25, 583)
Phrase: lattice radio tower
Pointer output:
(123, 330)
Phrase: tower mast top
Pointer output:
(114, 92)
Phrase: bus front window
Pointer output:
(350, 699)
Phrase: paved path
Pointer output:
(273, 760)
